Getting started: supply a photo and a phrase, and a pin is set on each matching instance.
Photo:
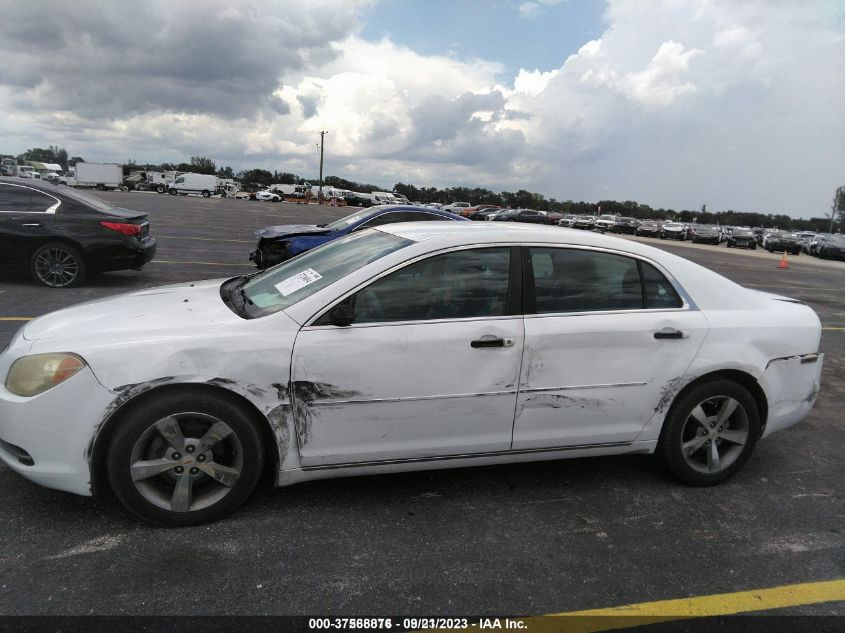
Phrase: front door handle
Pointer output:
(668, 332)
(491, 341)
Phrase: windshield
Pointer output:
(292, 281)
(743, 232)
(345, 221)
(787, 235)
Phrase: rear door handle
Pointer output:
(492, 342)
(668, 332)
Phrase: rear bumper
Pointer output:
(122, 256)
(791, 386)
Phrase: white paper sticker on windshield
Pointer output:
(299, 280)
(353, 220)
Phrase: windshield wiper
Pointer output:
(244, 296)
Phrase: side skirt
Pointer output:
(296, 475)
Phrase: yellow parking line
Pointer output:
(700, 606)
(164, 261)
(16, 318)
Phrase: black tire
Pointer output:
(753, 247)
(206, 193)
(681, 428)
(172, 191)
(58, 265)
(160, 189)
(145, 496)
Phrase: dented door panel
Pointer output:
(404, 391)
(598, 378)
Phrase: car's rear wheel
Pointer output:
(206, 193)
(710, 432)
(58, 265)
(184, 459)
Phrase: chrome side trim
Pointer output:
(409, 398)
(618, 384)
(411, 460)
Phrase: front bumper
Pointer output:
(55, 430)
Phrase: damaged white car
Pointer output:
(407, 347)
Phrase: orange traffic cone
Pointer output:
(784, 264)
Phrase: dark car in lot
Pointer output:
(585, 222)
(277, 244)
(705, 234)
(783, 241)
(832, 248)
(62, 235)
(483, 214)
(648, 228)
(625, 225)
(673, 231)
(523, 215)
(742, 238)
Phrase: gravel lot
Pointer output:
(521, 539)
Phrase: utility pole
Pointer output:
(833, 206)
(322, 137)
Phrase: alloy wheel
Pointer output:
(714, 434)
(186, 462)
(56, 267)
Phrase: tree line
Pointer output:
(260, 178)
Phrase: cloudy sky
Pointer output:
(674, 103)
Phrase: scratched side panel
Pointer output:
(599, 378)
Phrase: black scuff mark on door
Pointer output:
(670, 390)
(810, 399)
(305, 393)
(558, 401)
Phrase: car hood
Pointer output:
(673, 228)
(290, 230)
(189, 307)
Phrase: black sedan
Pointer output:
(277, 244)
(625, 225)
(62, 235)
(742, 238)
(783, 241)
(522, 215)
(704, 234)
(832, 248)
(649, 228)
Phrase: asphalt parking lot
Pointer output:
(521, 539)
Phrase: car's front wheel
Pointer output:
(184, 459)
(57, 265)
(710, 432)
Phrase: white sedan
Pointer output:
(407, 347)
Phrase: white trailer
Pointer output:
(101, 176)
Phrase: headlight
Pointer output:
(31, 375)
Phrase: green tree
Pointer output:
(202, 165)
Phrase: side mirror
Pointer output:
(342, 315)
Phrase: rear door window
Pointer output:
(573, 280)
